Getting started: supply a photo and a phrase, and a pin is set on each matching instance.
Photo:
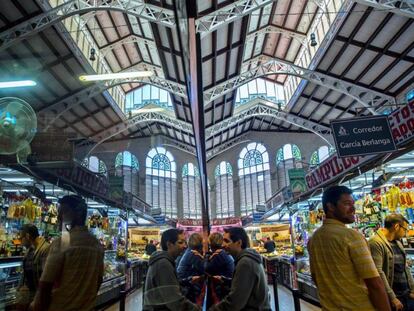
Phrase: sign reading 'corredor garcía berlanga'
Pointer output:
(362, 136)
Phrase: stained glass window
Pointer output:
(288, 151)
(321, 155)
(161, 183)
(95, 165)
(223, 168)
(126, 159)
(224, 190)
(254, 176)
(191, 191)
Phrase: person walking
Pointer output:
(162, 289)
(74, 268)
(340, 261)
(33, 263)
(190, 270)
(249, 290)
(391, 261)
(219, 268)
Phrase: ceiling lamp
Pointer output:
(22, 83)
(92, 55)
(313, 40)
(112, 76)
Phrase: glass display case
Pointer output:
(304, 279)
(410, 259)
(113, 267)
(11, 269)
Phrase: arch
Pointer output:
(161, 181)
(271, 66)
(254, 177)
(191, 191)
(224, 190)
(126, 158)
(127, 166)
(94, 164)
(77, 7)
(288, 157)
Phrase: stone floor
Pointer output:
(134, 301)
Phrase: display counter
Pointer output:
(283, 267)
(10, 275)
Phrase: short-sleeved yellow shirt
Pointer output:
(340, 260)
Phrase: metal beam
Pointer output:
(96, 89)
(366, 97)
(137, 8)
(146, 115)
(259, 107)
(226, 146)
(301, 38)
(228, 14)
(399, 7)
(131, 39)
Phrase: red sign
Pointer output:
(402, 128)
(215, 222)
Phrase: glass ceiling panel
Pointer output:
(148, 94)
(260, 88)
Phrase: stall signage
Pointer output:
(225, 221)
(83, 178)
(402, 128)
(362, 136)
(297, 180)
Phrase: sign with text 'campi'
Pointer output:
(362, 136)
(402, 127)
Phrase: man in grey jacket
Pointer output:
(390, 258)
(249, 290)
(162, 290)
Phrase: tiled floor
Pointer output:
(134, 301)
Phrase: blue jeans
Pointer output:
(407, 302)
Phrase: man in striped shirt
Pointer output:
(340, 260)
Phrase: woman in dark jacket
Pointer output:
(190, 270)
(219, 268)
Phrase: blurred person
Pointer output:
(150, 248)
(249, 290)
(391, 261)
(74, 268)
(162, 289)
(33, 264)
(219, 268)
(190, 269)
(340, 261)
(269, 245)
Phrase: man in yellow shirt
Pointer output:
(340, 261)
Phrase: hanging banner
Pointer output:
(402, 128)
(362, 136)
(297, 180)
(141, 236)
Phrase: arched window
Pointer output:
(95, 165)
(191, 191)
(254, 175)
(126, 165)
(260, 88)
(161, 181)
(321, 155)
(224, 190)
(287, 157)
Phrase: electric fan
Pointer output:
(18, 125)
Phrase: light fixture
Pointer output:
(17, 179)
(120, 75)
(313, 39)
(401, 164)
(92, 55)
(22, 83)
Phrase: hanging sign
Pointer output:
(297, 180)
(362, 136)
(402, 128)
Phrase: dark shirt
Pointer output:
(400, 284)
(150, 248)
(270, 246)
(29, 270)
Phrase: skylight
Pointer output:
(260, 88)
(148, 94)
